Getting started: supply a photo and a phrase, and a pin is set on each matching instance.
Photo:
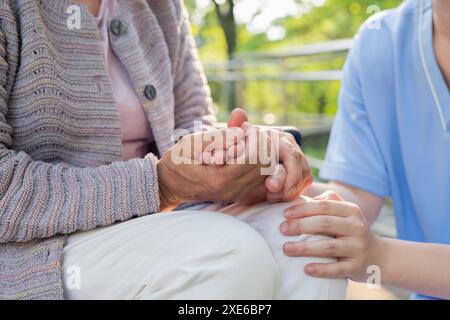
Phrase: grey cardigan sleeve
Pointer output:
(40, 200)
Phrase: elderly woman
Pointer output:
(86, 109)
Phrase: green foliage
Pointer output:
(335, 19)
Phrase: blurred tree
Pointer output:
(227, 20)
(226, 11)
(254, 16)
(278, 25)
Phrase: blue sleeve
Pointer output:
(353, 156)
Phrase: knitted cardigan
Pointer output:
(60, 137)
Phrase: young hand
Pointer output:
(354, 245)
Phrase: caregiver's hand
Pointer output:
(328, 214)
(182, 177)
(291, 177)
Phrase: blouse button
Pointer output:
(117, 27)
(150, 92)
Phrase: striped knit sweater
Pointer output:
(60, 138)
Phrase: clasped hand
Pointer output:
(241, 163)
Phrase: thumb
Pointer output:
(237, 118)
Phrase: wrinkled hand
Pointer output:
(290, 178)
(329, 214)
(183, 177)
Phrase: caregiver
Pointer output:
(391, 138)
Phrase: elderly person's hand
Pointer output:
(290, 178)
(183, 176)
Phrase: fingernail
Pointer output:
(288, 213)
(284, 227)
(309, 269)
(288, 247)
(322, 196)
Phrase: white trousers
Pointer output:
(193, 255)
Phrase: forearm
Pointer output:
(419, 267)
(39, 199)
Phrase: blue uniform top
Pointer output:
(391, 135)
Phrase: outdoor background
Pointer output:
(281, 61)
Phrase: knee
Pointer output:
(267, 220)
(294, 283)
(230, 249)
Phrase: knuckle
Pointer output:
(323, 206)
(330, 248)
(302, 250)
(354, 208)
(358, 266)
(325, 224)
(322, 272)
(360, 228)
(296, 154)
(290, 138)
(295, 226)
(339, 270)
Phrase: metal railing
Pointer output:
(283, 68)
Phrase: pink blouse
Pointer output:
(136, 131)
